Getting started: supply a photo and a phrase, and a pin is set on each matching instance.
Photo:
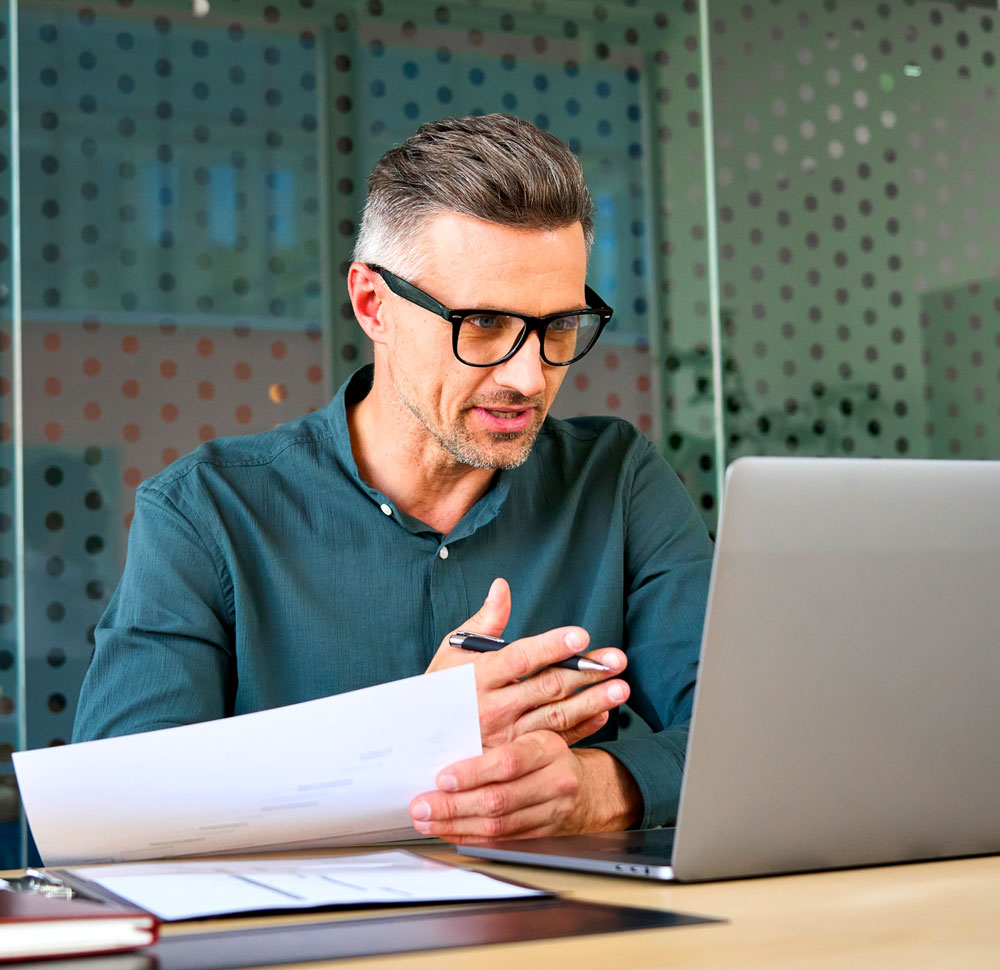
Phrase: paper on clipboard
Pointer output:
(191, 889)
(338, 770)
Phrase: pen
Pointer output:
(481, 643)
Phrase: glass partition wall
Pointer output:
(11, 635)
(796, 224)
(859, 216)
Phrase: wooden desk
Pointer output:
(938, 915)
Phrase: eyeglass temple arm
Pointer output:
(409, 292)
(415, 295)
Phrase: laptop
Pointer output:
(847, 711)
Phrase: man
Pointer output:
(333, 552)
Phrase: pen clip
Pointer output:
(458, 638)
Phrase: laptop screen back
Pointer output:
(846, 712)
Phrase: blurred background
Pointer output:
(798, 226)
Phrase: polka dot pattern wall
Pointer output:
(172, 281)
(620, 83)
(859, 220)
(191, 189)
(394, 71)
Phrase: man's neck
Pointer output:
(395, 454)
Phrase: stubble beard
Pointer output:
(461, 444)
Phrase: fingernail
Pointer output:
(447, 783)
(616, 693)
(494, 591)
(575, 640)
(424, 827)
(420, 810)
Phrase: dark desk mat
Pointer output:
(473, 925)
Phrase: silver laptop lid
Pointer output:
(848, 705)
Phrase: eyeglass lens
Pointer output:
(486, 338)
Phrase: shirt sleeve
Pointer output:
(163, 651)
(668, 563)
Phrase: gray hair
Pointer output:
(492, 167)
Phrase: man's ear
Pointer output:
(367, 292)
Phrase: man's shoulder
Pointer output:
(591, 432)
(602, 445)
(240, 455)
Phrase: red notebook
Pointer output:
(33, 925)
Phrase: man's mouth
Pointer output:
(504, 414)
(505, 419)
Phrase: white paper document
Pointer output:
(188, 890)
(338, 770)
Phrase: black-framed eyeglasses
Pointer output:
(485, 338)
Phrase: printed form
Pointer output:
(334, 771)
(186, 890)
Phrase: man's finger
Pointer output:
(490, 619)
(519, 757)
(487, 801)
(523, 657)
(586, 728)
(468, 829)
(565, 715)
(550, 782)
(555, 683)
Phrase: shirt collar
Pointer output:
(355, 389)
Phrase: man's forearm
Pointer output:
(612, 798)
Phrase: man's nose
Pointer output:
(524, 372)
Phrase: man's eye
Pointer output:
(565, 324)
(484, 322)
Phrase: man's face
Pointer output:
(486, 417)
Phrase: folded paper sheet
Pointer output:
(339, 770)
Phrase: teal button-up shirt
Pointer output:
(263, 571)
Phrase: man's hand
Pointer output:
(530, 787)
(512, 702)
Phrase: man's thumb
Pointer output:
(492, 616)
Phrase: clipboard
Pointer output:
(468, 925)
(183, 890)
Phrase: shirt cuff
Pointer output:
(656, 762)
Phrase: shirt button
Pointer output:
(443, 552)
(385, 508)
